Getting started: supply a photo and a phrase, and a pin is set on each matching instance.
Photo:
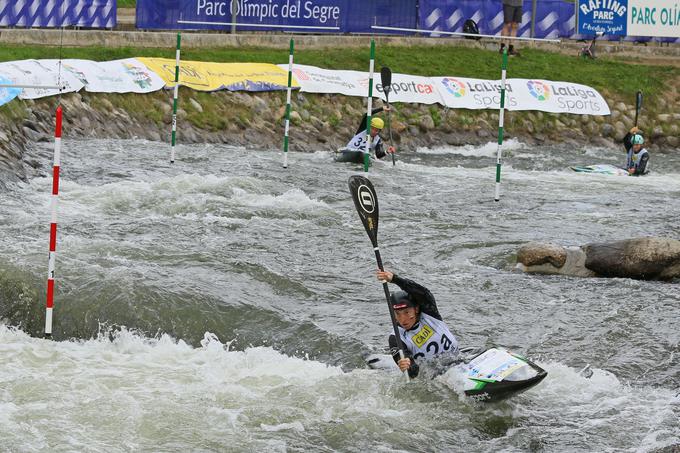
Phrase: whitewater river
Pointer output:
(225, 304)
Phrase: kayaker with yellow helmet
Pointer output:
(358, 142)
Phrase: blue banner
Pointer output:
(58, 13)
(554, 18)
(602, 16)
(317, 16)
(7, 94)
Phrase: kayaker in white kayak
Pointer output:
(637, 159)
(358, 142)
(423, 332)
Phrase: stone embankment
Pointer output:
(319, 122)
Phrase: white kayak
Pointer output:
(492, 375)
(602, 169)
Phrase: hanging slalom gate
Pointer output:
(501, 112)
(288, 96)
(175, 98)
(52, 256)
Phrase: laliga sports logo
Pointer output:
(366, 199)
(454, 87)
(539, 90)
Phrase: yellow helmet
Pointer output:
(377, 123)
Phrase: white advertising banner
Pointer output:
(459, 92)
(318, 80)
(659, 18)
(408, 88)
(131, 75)
(119, 76)
(39, 72)
(464, 93)
(556, 97)
(404, 88)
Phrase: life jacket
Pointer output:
(428, 338)
(358, 142)
(633, 159)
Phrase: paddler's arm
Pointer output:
(362, 125)
(420, 294)
(407, 363)
(629, 137)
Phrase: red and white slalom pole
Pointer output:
(53, 226)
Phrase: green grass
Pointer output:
(614, 77)
(126, 3)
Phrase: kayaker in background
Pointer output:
(423, 332)
(358, 142)
(637, 160)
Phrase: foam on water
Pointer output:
(486, 150)
(227, 241)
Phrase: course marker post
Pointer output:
(501, 111)
(369, 108)
(174, 100)
(288, 95)
(52, 257)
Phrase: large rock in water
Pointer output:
(646, 258)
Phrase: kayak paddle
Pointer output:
(366, 203)
(638, 106)
(386, 79)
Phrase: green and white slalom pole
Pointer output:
(504, 67)
(367, 151)
(290, 82)
(174, 101)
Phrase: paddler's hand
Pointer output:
(631, 170)
(384, 276)
(634, 130)
(404, 364)
(391, 149)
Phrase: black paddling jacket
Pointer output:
(425, 300)
(421, 295)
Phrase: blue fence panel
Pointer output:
(568, 20)
(548, 19)
(450, 15)
(58, 13)
(163, 14)
(385, 13)
(445, 15)
(318, 16)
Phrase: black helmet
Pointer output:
(401, 299)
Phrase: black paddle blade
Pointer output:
(366, 202)
(386, 79)
(638, 105)
(638, 100)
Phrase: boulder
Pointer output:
(647, 258)
(544, 258)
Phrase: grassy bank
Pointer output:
(618, 79)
